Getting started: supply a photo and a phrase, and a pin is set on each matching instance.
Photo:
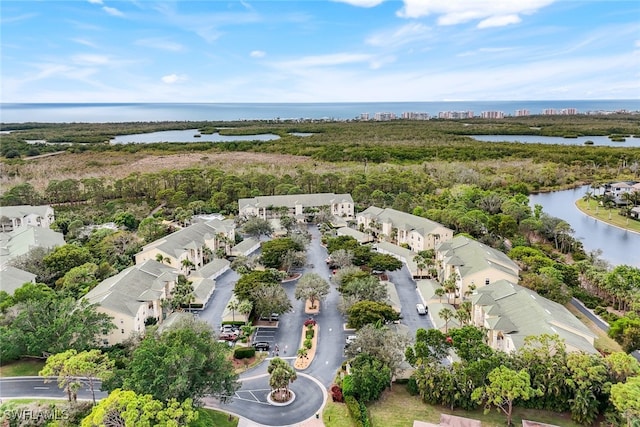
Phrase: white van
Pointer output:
(422, 310)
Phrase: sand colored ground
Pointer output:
(115, 165)
(303, 363)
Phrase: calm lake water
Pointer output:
(187, 136)
(597, 140)
(618, 246)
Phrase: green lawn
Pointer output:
(21, 368)
(397, 408)
(210, 417)
(601, 213)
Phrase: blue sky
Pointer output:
(318, 51)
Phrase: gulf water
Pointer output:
(149, 112)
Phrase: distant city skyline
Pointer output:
(318, 51)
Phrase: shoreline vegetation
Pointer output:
(610, 216)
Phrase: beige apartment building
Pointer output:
(297, 205)
(403, 228)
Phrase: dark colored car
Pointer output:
(261, 345)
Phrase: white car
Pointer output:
(421, 309)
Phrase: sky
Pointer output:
(318, 51)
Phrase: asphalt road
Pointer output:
(408, 294)
(35, 387)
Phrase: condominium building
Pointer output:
(492, 115)
(267, 207)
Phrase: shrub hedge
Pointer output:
(244, 352)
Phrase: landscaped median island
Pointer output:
(309, 340)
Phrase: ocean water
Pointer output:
(131, 112)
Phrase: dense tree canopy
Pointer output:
(123, 408)
(184, 362)
(366, 312)
(47, 322)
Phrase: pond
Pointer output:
(190, 135)
(535, 139)
(618, 246)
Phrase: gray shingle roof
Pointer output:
(191, 237)
(12, 278)
(23, 239)
(246, 245)
(23, 210)
(212, 268)
(402, 220)
(473, 256)
(522, 313)
(127, 290)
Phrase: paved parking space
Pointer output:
(265, 334)
(255, 396)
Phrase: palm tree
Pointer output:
(233, 305)
(463, 314)
(162, 259)
(420, 264)
(187, 264)
(588, 196)
(282, 374)
(446, 314)
(245, 307)
(451, 287)
(440, 293)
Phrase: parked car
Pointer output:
(228, 336)
(273, 318)
(421, 309)
(229, 328)
(261, 346)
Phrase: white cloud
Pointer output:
(361, 3)
(483, 50)
(173, 78)
(95, 1)
(491, 13)
(258, 54)
(112, 11)
(499, 21)
(160, 43)
(326, 60)
(406, 34)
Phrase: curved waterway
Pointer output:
(618, 246)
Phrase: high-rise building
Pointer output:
(522, 113)
(492, 115)
(408, 115)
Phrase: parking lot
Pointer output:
(268, 335)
